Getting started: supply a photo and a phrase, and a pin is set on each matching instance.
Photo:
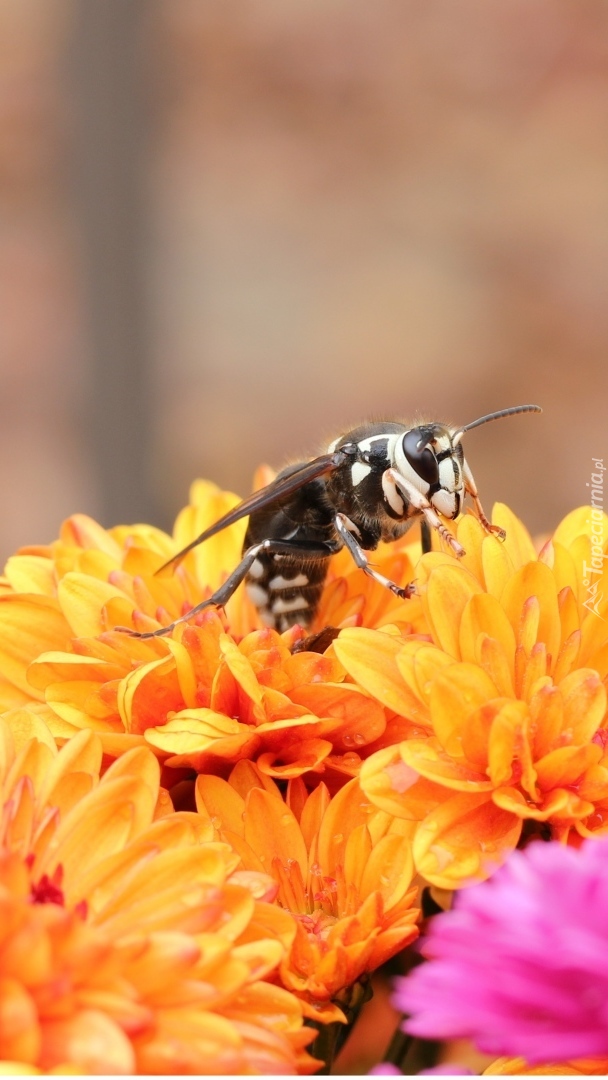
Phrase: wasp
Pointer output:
(371, 485)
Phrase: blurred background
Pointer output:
(231, 229)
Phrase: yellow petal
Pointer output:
(370, 657)
(29, 626)
(534, 580)
(518, 542)
(31, 574)
(82, 599)
(449, 590)
(483, 615)
(197, 735)
(498, 568)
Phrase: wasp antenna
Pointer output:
(457, 436)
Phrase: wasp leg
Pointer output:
(471, 488)
(222, 595)
(425, 537)
(419, 502)
(362, 562)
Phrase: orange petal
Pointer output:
(273, 832)
(566, 766)
(584, 704)
(455, 695)
(220, 804)
(389, 869)
(464, 840)
(433, 763)
(559, 804)
(295, 760)
(363, 719)
(148, 694)
(88, 1038)
(396, 788)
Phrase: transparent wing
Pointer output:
(266, 496)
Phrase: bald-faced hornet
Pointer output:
(371, 485)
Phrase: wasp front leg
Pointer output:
(419, 501)
(471, 489)
(222, 595)
(344, 529)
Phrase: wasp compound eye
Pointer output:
(420, 456)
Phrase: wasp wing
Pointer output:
(266, 496)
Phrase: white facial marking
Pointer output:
(280, 582)
(256, 569)
(442, 443)
(366, 444)
(257, 594)
(391, 495)
(359, 471)
(445, 503)
(446, 474)
(298, 603)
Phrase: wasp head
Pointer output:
(430, 459)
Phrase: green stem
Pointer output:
(332, 1037)
(398, 1047)
(324, 1046)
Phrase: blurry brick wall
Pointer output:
(358, 209)
(44, 473)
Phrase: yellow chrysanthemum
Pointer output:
(125, 946)
(506, 708)
(343, 869)
(217, 691)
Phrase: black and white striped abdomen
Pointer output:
(285, 589)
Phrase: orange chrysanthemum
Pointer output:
(343, 869)
(125, 946)
(506, 709)
(217, 691)
(519, 1067)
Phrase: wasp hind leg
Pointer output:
(222, 595)
(361, 560)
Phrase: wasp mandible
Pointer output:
(371, 485)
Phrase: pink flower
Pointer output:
(520, 965)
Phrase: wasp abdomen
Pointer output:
(285, 591)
